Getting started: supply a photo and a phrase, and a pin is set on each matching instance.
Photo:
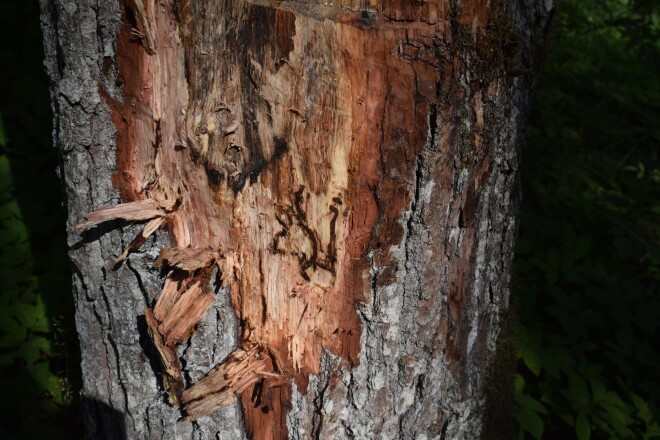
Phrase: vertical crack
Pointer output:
(319, 401)
(124, 390)
(138, 278)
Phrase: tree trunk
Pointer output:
(319, 202)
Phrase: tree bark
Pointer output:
(319, 201)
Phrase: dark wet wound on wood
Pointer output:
(280, 149)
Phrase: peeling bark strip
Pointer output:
(346, 172)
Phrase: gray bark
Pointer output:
(122, 396)
(404, 386)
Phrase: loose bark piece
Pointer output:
(138, 210)
(188, 259)
(172, 377)
(139, 240)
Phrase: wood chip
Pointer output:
(180, 322)
(167, 297)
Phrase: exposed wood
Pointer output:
(346, 171)
(172, 290)
(187, 259)
(172, 377)
(143, 29)
(238, 372)
(138, 210)
(300, 128)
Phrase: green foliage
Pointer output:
(587, 267)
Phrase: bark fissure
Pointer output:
(317, 421)
(124, 396)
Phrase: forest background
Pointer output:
(587, 270)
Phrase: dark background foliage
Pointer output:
(587, 257)
(587, 272)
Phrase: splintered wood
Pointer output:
(141, 238)
(139, 210)
(241, 370)
(171, 368)
(187, 259)
(281, 149)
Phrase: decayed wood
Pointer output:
(347, 168)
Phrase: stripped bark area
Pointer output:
(289, 137)
(327, 164)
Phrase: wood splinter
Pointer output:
(187, 259)
(139, 210)
(172, 377)
(236, 374)
(179, 308)
(141, 238)
(181, 305)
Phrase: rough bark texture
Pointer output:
(331, 197)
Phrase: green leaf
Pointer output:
(530, 403)
(582, 246)
(617, 410)
(530, 422)
(33, 316)
(532, 360)
(577, 390)
(582, 428)
(597, 388)
(41, 373)
(643, 410)
(13, 333)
